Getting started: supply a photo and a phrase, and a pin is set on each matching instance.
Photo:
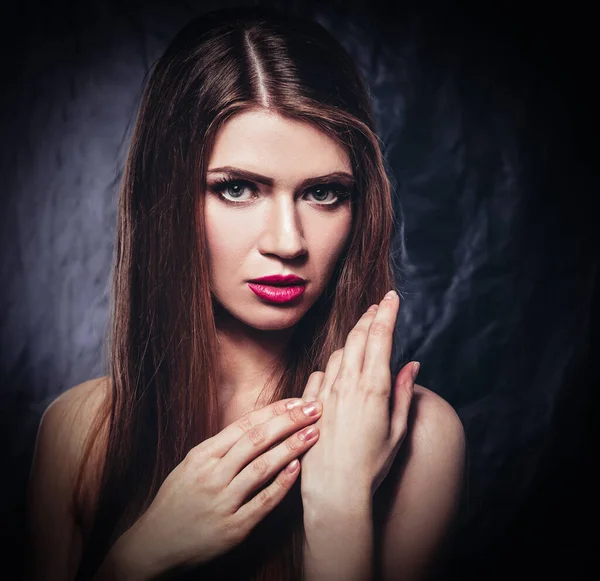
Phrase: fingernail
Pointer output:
(311, 409)
(390, 295)
(292, 466)
(294, 404)
(308, 433)
(415, 369)
(372, 308)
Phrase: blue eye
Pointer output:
(340, 192)
(235, 189)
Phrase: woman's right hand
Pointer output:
(201, 510)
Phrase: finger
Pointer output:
(331, 371)
(313, 386)
(378, 351)
(265, 435)
(404, 387)
(263, 503)
(354, 349)
(219, 444)
(263, 468)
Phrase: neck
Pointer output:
(248, 359)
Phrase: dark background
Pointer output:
(487, 114)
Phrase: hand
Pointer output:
(202, 508)
(358, 442)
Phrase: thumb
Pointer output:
(403, 393)
(313, 386)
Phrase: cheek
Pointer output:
(227, 235)
(329, 240)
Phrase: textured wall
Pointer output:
(494, 244)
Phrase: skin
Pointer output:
(282, 229)
(358, 443)
(279, 229)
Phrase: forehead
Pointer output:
(285, 149)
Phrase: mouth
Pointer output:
(277, 292)
(279, 280)
(278, 284)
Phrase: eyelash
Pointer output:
(341, 191)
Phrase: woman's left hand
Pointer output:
(358, 441)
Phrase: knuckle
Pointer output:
(197, 469)
(357, 332)
(283, 482)
(336, 355)
(256, 435)
(335, 390)
(279, 408)
(368, 385)
(245, 423)
(297, 415)
(294, 443)
(374, 387)
(265, 497)
(379, 329)
(346, 376)
(197, 456)
(234, 529)
(260, 466)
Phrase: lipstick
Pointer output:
(278, 288)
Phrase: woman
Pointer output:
(254, 155)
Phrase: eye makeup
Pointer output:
(230, 186)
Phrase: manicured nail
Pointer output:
(292, 466)
(308, 433)
(415, 369)
(311, 409)
(390, 295)
(294, 404)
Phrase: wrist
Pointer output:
(129, 559)
(338, 541)
(337, 507)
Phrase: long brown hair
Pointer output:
(163, 343)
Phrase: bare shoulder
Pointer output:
(73, 409)
(434, 419)
(60, 448)
(66, 423)
(70, 417)
(435, 444)
(78, 404)
(425, 487)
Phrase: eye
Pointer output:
(321, 192)
(235, 191)
(233, 188)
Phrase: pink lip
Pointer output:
(277, 294)
(279, 279)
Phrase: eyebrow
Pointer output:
(342, 176)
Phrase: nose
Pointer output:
(282, 233)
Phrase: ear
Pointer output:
(313, 386)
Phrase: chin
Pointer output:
(273, 326)
(262, 317)
(277, 321)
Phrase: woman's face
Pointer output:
(263, 217)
